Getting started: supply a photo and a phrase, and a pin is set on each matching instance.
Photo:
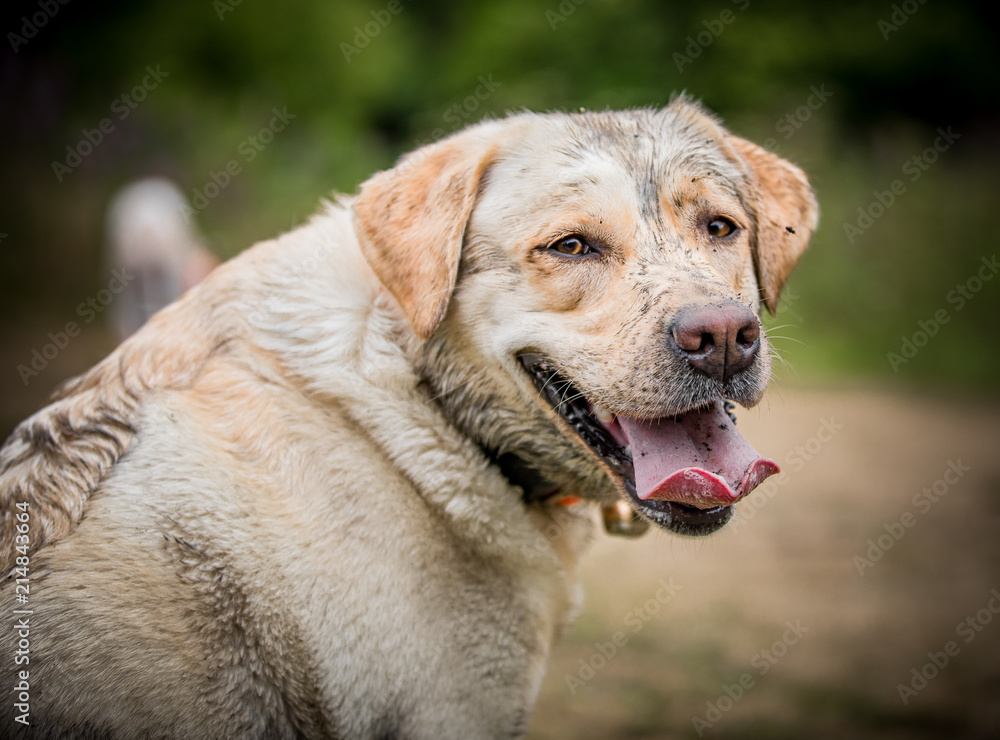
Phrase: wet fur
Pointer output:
(271, 513)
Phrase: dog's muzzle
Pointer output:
(682, 472)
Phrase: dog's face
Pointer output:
(586, 289)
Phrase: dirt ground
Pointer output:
(855, 596)
(803, 617)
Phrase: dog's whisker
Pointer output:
(792, 340)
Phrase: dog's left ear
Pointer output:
(411, 221)
(786, 211)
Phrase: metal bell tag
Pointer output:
(619, 519)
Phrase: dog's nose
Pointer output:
(720, 339)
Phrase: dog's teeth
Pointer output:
(603, 415)
(628, 450)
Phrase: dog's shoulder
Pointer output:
(54, 461)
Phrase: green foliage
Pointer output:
(361, 98)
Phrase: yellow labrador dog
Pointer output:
(340, 488)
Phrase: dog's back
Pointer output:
(209, 535)
(280, 509)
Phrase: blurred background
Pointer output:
(880, 540)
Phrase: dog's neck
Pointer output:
(536, 488)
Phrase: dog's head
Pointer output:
(584, 290)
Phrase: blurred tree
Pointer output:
(365, 81)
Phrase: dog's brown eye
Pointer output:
(572, 245)
(721, 227)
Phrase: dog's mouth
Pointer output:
(682, 472)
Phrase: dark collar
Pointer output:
(535, 487)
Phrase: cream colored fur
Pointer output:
(269, 513)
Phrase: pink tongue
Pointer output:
(697, 459)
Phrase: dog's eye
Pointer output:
(720, 227)
(573, 245)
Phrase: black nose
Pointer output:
(720, 339)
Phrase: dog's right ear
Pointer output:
(786, 211)
(411, 221)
